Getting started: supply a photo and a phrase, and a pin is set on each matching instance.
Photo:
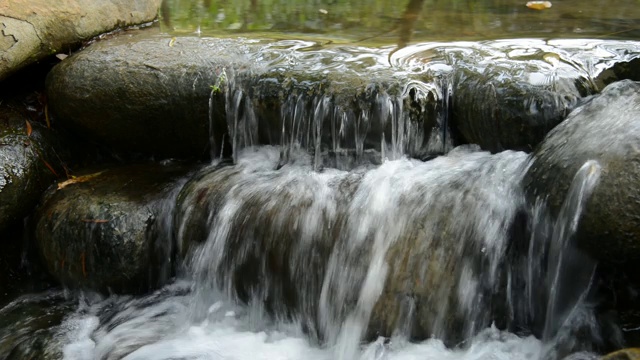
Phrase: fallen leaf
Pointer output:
(29, 128)
(172, 41)
(539, 5)
(62, 56)
(95, 221)
(78, 179)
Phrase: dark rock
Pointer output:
(607, 130)
(500, 110)
(33, 30)
(108, 231)
(27, 325)
(624, 70)
(20, 268)
(149, 95)
(28, 164)
(508, 94)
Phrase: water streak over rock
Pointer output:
(607, 130)
(407, 247)
(508, 94)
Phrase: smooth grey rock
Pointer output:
(33, 30)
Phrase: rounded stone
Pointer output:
(108, 230)
(30, 159)
(32, 30)
(606, 129)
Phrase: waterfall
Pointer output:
(342, 126)
(337, 264)
(331, 247)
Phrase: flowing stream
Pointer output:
(338, 241)
(303, 264)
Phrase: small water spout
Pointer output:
(569, 272)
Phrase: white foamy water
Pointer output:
(240, 332)
(300, 264)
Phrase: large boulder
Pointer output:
(107, 230)
(31, 158)
(33, 30)
(605, 129)
(152, 97)
(28, 325)
(185, 96)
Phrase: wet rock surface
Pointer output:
(30, 159)
(33, 30)
(501, 108)
(305, 243)
(507, 94)
(107, 230)
(605, 129)
(260, 93)
(29, 323)
(205, 96)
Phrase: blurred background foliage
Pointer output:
(385, 21)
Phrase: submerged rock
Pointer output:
(624, 354)
(607, 130)
(107, 231)
(403, 248)
(30, 160)
(32, 30)
(28, 325)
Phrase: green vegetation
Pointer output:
(220, 82)
(381, 21)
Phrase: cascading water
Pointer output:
(283, 261)
(337, 243)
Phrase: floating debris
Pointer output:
(539, 5)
